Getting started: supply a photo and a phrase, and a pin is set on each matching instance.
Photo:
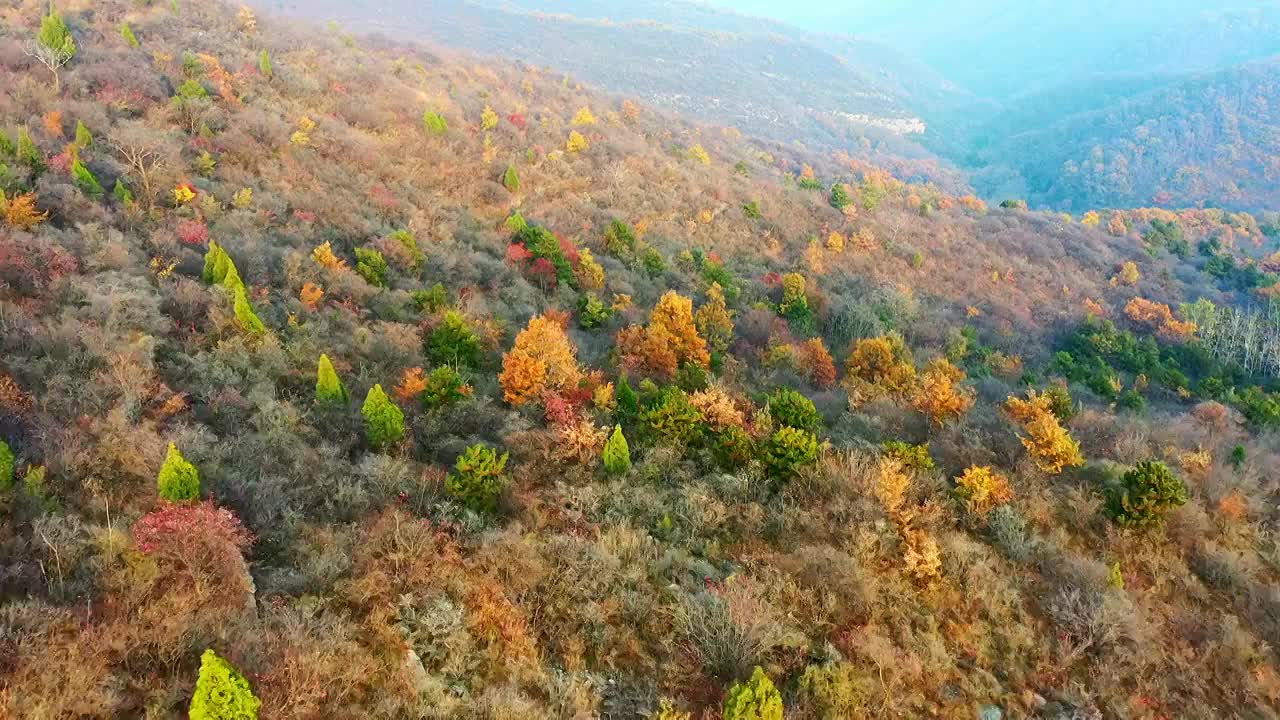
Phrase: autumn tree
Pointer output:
(54, 46)
(939, 395)
(981, 489)
(576, 142)
(383, 421)
(672, 320)
(816, 362)
(1049, 444)
(714, 320)
(178, 481)
(542, 359)
(21, 211)
(879, 365)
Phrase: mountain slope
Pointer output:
(355, 379)
(1194, 140)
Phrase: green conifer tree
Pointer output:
(245, 316)
(478, 478)
(840, 197)
(178, 481)
(435, 123)
(383, 420)
(756, 699)
(6, 466)
(231, 281)
(264, 65)
(627, 400)
(85, 180)
(28, 153)
(84, 138)
(123, 193)
(54, 46)
(222, 692)
(329, 388)
(212, 256)
(617, 454)
(126, 32)
(7, 147)
(511, 179)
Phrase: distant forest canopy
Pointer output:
(1065, 105)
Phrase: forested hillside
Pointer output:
(1199, 140)
(341, 377)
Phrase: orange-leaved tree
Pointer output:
(542, 359)
(1049, 444)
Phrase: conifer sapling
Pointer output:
(179, 481)
(329, 389)
(222, 692)
(383, 420)
(617, 454)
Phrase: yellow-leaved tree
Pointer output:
(1049, 444)
(543, 359)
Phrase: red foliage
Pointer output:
(518, 120)
(773, 280)
(305, 216)
(570, 250)
(383, 198)
(60, 163)
(193, 232)
(192, 533)
(518, 254)
(544, 271)
(560, 411)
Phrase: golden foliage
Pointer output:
(672, 322)
(715, 320)
(310, 295)
(583, 117)
(412, 384)
(21, 212)
(835, 242)
(878, 365)
(1091, 219)
(1049, 444)
(543, 358)
(590, 273)
(580, 442)
(576, 142)
(923, 558)
(817, 364)
(1158, 317)
(1093, 309)
(982, 489)
(324, 255)
(717, 408)
(892, 484)
(1128, 275)
(1116, 225)
(938, 396)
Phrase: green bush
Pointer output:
(626, 400)
(126, 32)
(435, 123)
(383, 420)
(734, 448)
(372, 266)
(1061, 404)
(433, 300)
(222, 693)
(444, 386)
(617, 454)
(6, 466)
(592, 312)
(915, 457)
(453, 342)
(178, 480)
(756, 699)
(791, 409)
(673, 420)
(85, 180)
(511, 179)
(1144, 494)
(478, 478)
(840, 197)
(788, 451)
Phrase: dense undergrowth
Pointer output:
(415, 385)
